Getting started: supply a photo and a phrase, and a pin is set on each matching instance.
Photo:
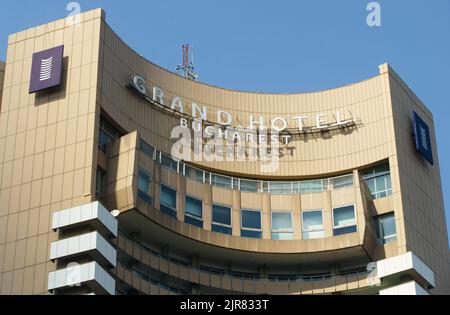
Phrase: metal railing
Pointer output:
(150, 280)
(212, 271)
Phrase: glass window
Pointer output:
(311, 186)
(282, 226)
(107, 134)
(100, 182)
(168, 203)
(343, 181)
(193, 173)
(249, 185)
(168, 162)
(296, 188)
(344, 220)
(235, 183)
(281, 188)
(251, 223)
(221, 181)
(221, 219)
(146, 148)
(144, 182)
(193, 211)
(283, 236)
(312, 224)
(385, 228)
(378, 180)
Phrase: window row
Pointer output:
(274, 187)
(344, 218)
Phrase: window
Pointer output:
(168, 203)
(168, 162)
(251, 223)
(282, 226)
(344, 220)
(378, 181)
(221, 181)
(281, 188)
(193, 212)
(100, 182)
(194, 173)
(248, 185)
(221, 219)
(312, 224)
(144, 188)
(108, 133)
(385, 228)
(311, 186)
(342, 181)
(146, 148)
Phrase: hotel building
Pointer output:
(92, 201)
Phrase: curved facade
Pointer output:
(351, 206)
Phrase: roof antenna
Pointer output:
(186, 70)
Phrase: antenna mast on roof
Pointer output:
(186, 70)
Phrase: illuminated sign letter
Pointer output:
(220, 120)
(260, 123)
(300, 122)
(177, 104)
(158, 95)
(320, 121)
(283, 124)
(196, 109)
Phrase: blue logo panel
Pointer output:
(423, 138)
(46, 69)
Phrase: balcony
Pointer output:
(235, 282)
(93, 214)
(90, 274)
(92, 244)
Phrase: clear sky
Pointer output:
(281, 46)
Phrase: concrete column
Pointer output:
(181, 193)
(207, 207)
(296, 217)
(265, 212)
(327, 213)
(236, 215)
(157, 198)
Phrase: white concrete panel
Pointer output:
(79, 274)
(82, 244)
(85, 213)
(403, 263)
(409, 288)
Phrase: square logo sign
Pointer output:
(423, 138)
(46, 69)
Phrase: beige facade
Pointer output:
(2, 76)
(53, 157)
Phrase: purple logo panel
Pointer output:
(46, 69)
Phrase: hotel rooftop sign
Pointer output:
(298, 124)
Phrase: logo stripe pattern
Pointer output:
(46, 69)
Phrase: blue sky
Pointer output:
(281, 46)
